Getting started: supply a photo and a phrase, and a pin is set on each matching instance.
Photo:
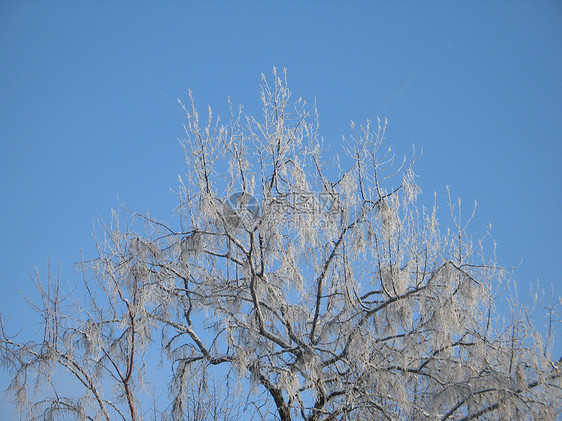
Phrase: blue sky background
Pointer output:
(80, 123)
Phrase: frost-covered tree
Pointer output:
(302, 286)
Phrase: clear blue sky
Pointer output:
(80, 123)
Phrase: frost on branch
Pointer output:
(311, 284)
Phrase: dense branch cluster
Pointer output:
(315, 289)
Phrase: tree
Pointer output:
(316, 288)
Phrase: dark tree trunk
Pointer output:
(282, 407)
